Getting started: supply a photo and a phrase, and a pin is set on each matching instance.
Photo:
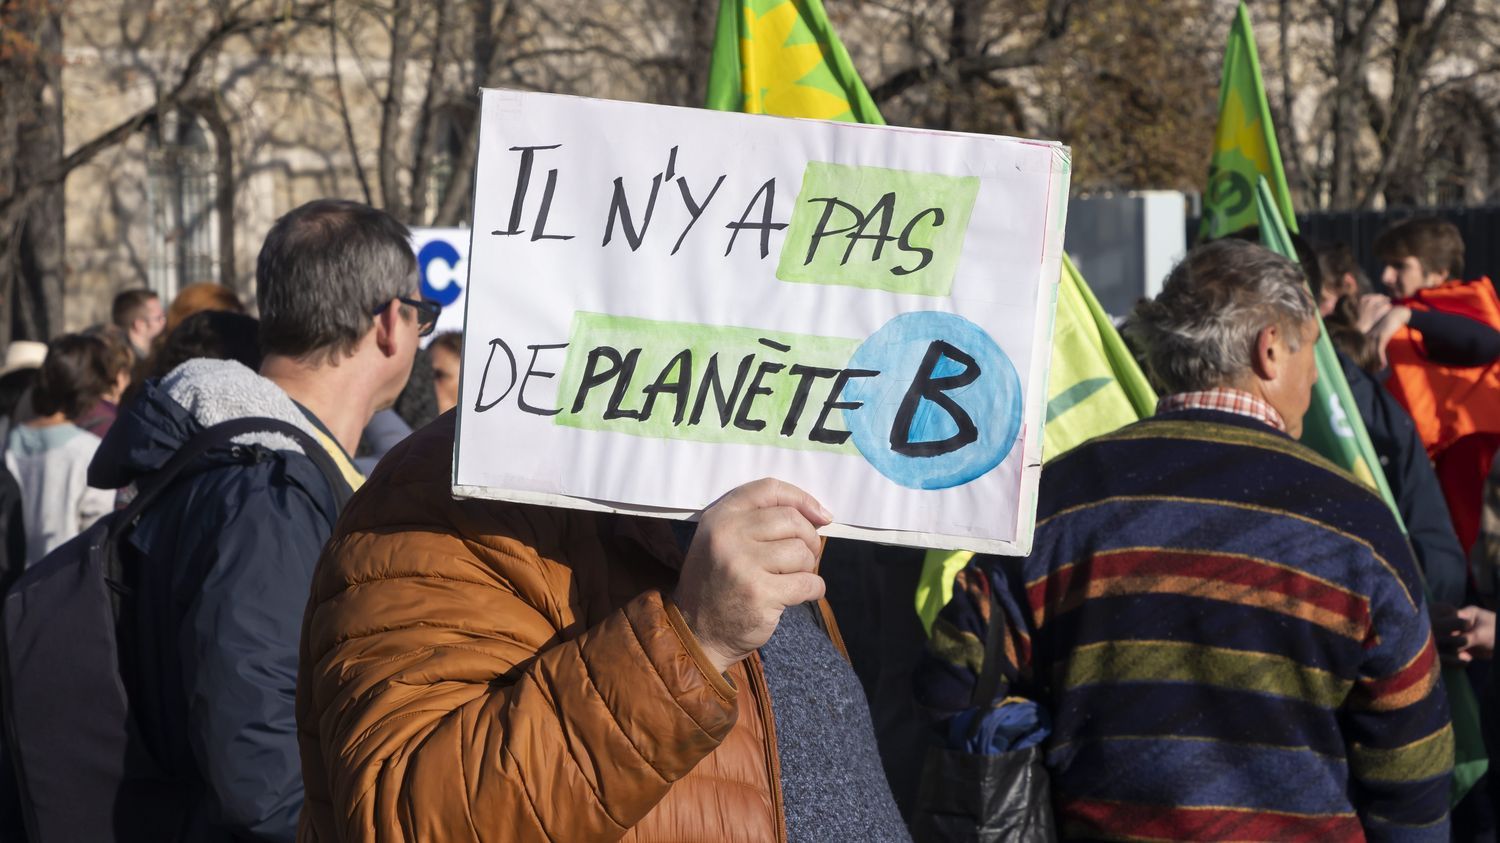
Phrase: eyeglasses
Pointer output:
(427, 313)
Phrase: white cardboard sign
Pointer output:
(665, 303)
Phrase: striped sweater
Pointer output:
(1232, 638)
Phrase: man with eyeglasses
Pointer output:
(224, 558)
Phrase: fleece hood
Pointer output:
(193, 397)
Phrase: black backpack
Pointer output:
(82, 767)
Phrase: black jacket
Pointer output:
(1414, 484)
(12, 530)
(12, 562)
(226, 559)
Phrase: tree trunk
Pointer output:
(1286, 121)
(488, 63)
(391, 107)
(1351, 38)
(963, 46)
(31, 241)
(423, 151)
(702, 28)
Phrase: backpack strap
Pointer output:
(222, 434)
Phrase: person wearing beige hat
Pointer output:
(23, 354)
(23, 360)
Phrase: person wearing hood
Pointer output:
(227, 554)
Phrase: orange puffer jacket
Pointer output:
(482, 671)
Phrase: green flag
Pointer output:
(1333, 428)
(782, 57)
(1244, 143)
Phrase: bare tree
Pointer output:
(957, 60)
(1379, 79)
(33, 174)
(1134, 91)
(1130, 86)
(31, 244)
(428, 140)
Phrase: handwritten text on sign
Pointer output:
(665, 303)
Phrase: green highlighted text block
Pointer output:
(708, 383)
(878, 228)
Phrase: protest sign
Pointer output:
(443, 264)
(665, 303)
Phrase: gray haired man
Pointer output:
(225, 556)
(1230, 631)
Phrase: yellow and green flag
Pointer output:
(1332, 426)
(782, 57)
(1094, 386)
(1244, 144)
(1247, 186)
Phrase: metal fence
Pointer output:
(1478, 225)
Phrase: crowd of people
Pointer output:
(1217, 635)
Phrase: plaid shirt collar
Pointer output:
(1225, 400)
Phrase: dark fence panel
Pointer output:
(1479, 225)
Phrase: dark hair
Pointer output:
(117, 354)
(74, 376)
(129, 306)
(449, 341)
(1344, 333)
(323, 270)
(13, 386)
(212, 334)
(1434, 242)
(215, 334)
(1336, 259)
(1200, 330)
(417, 403)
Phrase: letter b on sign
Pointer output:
(946, 407)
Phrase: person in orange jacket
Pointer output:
(1439, 336)
(483, 671)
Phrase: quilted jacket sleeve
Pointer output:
(439, 701)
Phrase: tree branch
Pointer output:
(965, 69)
(12, 205)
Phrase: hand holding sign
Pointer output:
(754, 554)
